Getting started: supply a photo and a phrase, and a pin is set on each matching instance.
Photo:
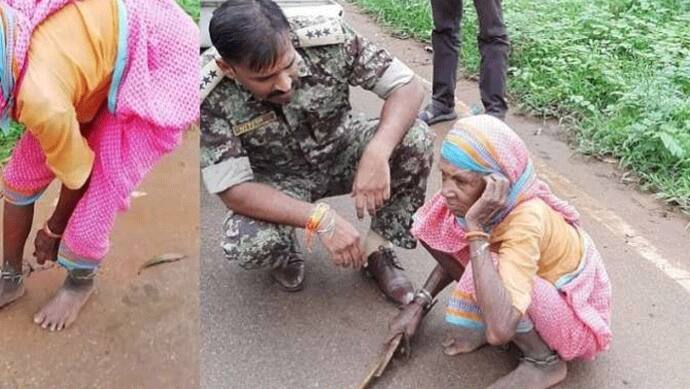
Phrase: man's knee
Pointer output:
(254, 243)
(494, 35)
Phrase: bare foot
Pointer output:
(463, 341)
(10, 291)
(64, 308)
(530, 376)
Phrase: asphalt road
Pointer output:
(255, 336)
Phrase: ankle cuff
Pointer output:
(9, 273)
(549, 360)
(80, 276)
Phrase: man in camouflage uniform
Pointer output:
(278, 134)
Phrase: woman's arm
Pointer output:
(46, 246)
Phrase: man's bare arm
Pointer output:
(371, 187)
(397, 115)
(260, 201)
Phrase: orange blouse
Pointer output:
(70, 63)
(534, 240)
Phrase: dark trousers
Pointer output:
(493, 48)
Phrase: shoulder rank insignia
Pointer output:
(323, 34)
(211, 75)
(253, 124)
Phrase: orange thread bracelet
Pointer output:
(314, 222)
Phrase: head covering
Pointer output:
(485, 145)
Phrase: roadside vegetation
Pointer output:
(616, 72)
(192, 7)
(7, 142)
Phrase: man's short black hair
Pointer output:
(249, 32)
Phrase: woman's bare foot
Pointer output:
(530, 376)
(65, 306)
(463, 341)
(10, 290)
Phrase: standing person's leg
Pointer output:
(494, 47)
(126, 150)
(447, 15)
(24, 179)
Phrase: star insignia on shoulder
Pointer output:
(310, 34)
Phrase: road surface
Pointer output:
(255, 336)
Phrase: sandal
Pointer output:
(431, 115)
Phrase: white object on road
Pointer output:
(291, 8)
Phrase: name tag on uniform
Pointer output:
(258, 122)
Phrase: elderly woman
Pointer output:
(104, 89)
(526, 271)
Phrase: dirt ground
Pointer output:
(138, 330)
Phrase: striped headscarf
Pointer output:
(476, 146)
(485, 145)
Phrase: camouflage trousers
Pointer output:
(258, 244)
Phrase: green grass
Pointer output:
(192, 7)
(617, 71)
(7, 142)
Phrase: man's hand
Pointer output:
(372, 184)
(406, 322)
(46, 248)
(344, 245)
(491, 202)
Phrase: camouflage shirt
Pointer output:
(241, 135)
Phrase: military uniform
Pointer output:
(310, 147)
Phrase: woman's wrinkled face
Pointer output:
(461, 188)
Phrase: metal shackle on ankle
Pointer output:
(10, 274)
(425, 298)
(547, 361)
(81, 274)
